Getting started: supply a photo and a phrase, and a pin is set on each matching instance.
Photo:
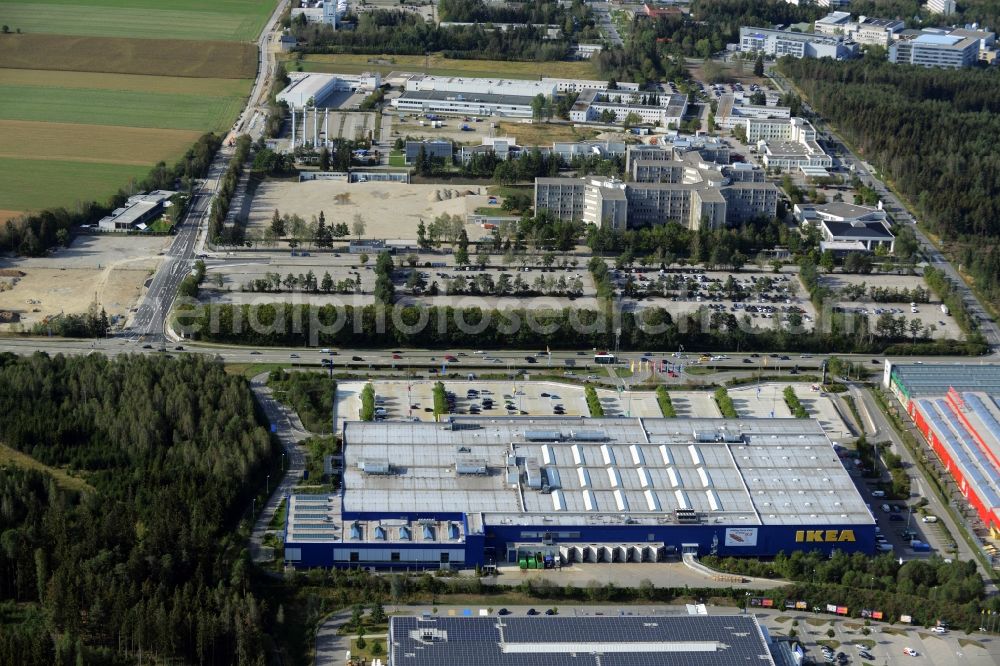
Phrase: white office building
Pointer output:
(651, 108)
(934, 47)
(788, 144)
(733, 110)
(777, 43)
(137, 212)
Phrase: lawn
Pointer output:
(161, 57)
(397, 159)
(541, 134)
(237, 20)
(174, 85)
(94, 143)
(437, 64)
(118, 107)
(37, 184)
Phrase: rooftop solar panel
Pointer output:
(579, 641)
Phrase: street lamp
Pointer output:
(268, 484)
(282, 462)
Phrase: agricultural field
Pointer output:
(36, 184)
(441, 66)
(118, 107)
(233, 20)
(96, 92)
(154, 57)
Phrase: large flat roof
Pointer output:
(639, 471)
(717, 640)
(466, 98)
(921, 380)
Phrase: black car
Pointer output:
(550, 612)
(503, 611)
(179, 348)
(785, 358)
(357, 358)
(147, 346)
(532, 611)
(530, 359)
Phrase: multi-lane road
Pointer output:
(150, 317)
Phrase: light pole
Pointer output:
(282, 462)
(267, 486)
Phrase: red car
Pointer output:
(451, 359)
(396, 357)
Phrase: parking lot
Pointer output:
(768, 400)
(850, 288)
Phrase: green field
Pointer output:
(36, 184)
(117, 107)
(235, 20)
(174, 85)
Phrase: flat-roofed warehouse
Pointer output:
(719, 640)
(957, 409)
(487, 490)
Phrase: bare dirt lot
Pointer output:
(391, 211)
(109, 270)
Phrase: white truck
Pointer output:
(944, 309)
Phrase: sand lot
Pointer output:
(391, 211)
(110, 270)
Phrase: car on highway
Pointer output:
(531, 359)
(396, 357)
(255, 353)
(357, 358)
(451, 359)
(480, 352)
(293, 356)
(147, 346)
(179, 348)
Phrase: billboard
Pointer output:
(741, 537)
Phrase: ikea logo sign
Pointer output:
(824, 536)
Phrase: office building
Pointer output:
(865, 30)
(778, 43)
(311, 88)
(435, 149)
(664, 110)
(788, 144)
(735, 109)
(954, 48)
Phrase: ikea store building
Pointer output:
(480, 491)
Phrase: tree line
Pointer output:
(217, 230)
(34, 234)
(144, 561)
(419, 326)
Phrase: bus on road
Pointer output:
(605, 359)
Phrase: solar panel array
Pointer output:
(492, 641)
(922, 381)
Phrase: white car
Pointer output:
(480, 352)
(939, 630)
(910, 652)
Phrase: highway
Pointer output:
(902, 215)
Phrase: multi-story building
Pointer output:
(689, 191)
(710, 149)
(567, 150)
(651, 108)
(788, 144)
(777, 43)
(864, 30)
(733, 110)
(941, 48)
(942, 7)
(503, 147)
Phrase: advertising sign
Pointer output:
(831, 608)
(801, 605)
(841, 610)
(877, 615)
(741, 537)
(906, 619)
(767, 603)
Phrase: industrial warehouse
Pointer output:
(957, 408)
(548, 492)
(723, 640)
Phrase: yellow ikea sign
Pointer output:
(824, 536)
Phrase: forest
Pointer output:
(932, 132)
(144, 561)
